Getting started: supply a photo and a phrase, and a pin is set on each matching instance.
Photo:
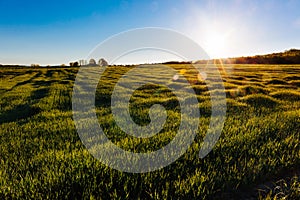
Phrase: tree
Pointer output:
(102, 62)
(82, 62)
(92, 61)
(35, 65)
(74, 64)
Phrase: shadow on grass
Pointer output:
(27, 81)
(43, 83)
(18, 113)
(40, 93)
(24, 111)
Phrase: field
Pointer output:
(257, 155)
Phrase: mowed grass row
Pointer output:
(42, 157)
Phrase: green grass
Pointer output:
(42, 157)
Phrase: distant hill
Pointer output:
(291, 56)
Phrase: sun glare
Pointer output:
(217, 36)
(215, 44)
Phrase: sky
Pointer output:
(60, 31)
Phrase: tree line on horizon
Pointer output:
(291, 56)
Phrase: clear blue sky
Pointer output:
(59, 31)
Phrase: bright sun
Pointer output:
(215, 44)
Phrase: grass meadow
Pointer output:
(257, 155)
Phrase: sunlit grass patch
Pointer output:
(288, 95)
(234, 106)
(277, 82)
(295, 83)
(200, 89)
(246, 90)
(292, 78)
(230, 85)
(259, 100)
